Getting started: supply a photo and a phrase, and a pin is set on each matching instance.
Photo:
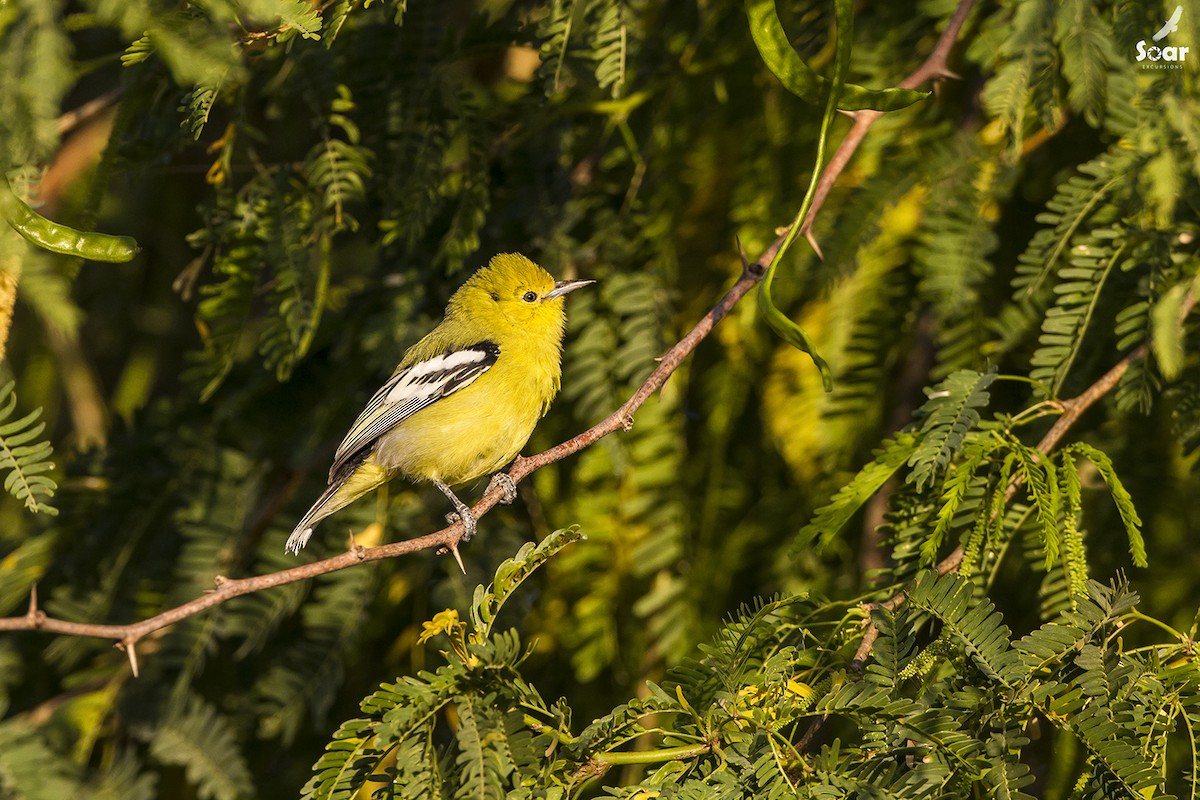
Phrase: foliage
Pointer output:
(23, 459)
(309, 182)
(943, 706)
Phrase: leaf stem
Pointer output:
(683, 751)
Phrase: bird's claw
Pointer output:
(507, 485)
(468, 522)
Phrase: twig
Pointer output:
(933, 68)
(1072, 410)
(72, 119)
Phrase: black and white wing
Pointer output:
(412, 389)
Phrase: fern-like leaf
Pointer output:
(1041, 479)
(24, 461)
(957, 484)
(1074, 201)
(1089, 53)
(485, 761)
(512, 572)
(951, 411)
(979, 626)
(831, 518)
(1120, 496)
(1077, 295)
(202, 741)
(30, 769)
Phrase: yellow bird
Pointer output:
(464, 400)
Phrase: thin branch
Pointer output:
(933, 68)
(85, 113)
(1072, 410)
(448, 537)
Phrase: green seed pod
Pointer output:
(63, 239)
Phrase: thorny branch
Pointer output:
(127, 636)
(621, 419)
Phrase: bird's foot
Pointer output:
(506, 484)
(461, 512)
(468, 521)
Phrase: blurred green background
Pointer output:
(308, 184)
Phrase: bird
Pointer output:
(464, 399)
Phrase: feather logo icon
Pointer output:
(1170, 26)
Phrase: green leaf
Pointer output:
(29, 768)
(953, 493)
(950, 413)
(512, 573)
(204, 742)
(799, 79)
(1120, 496)
(1089, 54)
(978, 625)
(1041, 478)
(25, 460)
(831, 518)
(791, 333)
(1167, 328)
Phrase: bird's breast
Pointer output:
(476, 430)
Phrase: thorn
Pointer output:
(812, 241)
(947, 74)
(748, 267)
(453, 546)
(35, 615)
(128, 645)
(742, 252)
(847, 113)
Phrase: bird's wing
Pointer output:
(412, 389)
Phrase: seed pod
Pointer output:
(59, 238)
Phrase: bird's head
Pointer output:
(513, 291)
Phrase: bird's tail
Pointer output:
(341, 493)
(320, 510)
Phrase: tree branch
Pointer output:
(933, 68)
(622, 419)
(1072, 410)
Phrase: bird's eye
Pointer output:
(530, 297)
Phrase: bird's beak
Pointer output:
(564, 287)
